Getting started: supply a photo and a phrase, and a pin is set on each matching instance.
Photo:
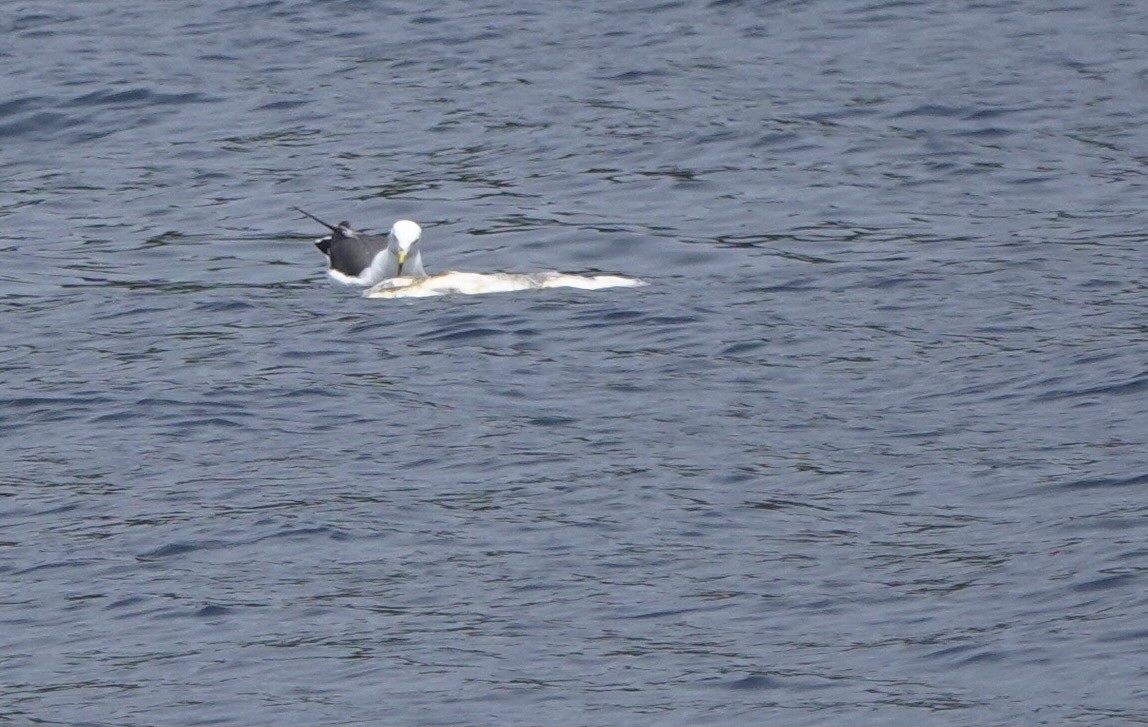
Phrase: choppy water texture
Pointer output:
(871, 447)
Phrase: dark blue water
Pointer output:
(870, 449)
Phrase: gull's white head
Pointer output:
(404, 236)
(403, 250)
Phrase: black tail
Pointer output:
(332, 228)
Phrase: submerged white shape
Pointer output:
(479, 283)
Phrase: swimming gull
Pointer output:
(357, 259)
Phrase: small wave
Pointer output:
(136, 97)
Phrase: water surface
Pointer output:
(870, 448)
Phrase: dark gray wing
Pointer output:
(353, 255)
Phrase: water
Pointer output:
(870, 448)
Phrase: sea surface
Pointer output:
(870, 448)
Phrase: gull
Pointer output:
(357, 259)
